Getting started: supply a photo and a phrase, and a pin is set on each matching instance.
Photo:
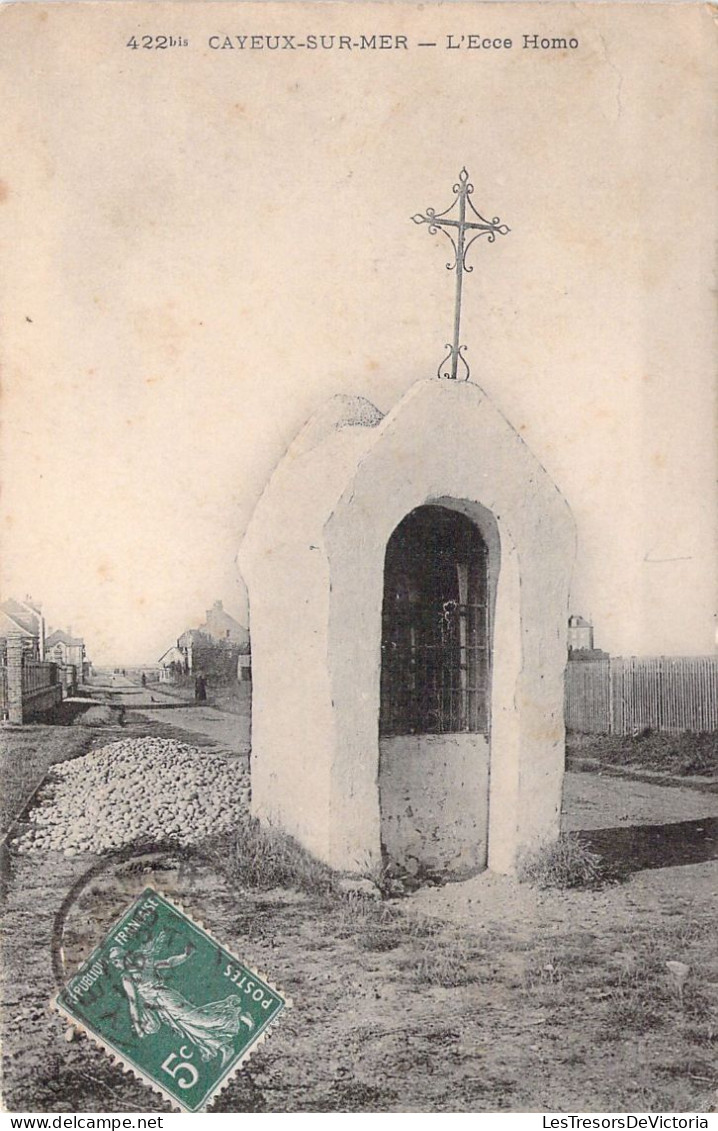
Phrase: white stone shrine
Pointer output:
(408, 582)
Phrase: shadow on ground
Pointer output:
(637, 847)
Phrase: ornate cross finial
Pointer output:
(441, 222)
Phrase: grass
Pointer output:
(644, 994)
(621, 985)
(373, 926)
(679, 754)
(447, 962)
(544, 968)
(636, 1018)
(267, 858)
(264, 859)
(566, 863)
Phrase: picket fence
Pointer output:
(622, 695)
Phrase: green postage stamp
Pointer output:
(171, 1003)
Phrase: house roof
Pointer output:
(26, 620)
(60, 637)
(218, 612)
(8, 626)
(192, 636)
(171, 654)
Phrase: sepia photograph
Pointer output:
(358, 640)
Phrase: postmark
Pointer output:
(170, 1003)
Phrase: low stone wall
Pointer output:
(38, 703)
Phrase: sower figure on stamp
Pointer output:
(212, 1027)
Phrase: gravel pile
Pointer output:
(98, 716)
(153, 788)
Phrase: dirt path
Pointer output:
(227, 731)
(601, 801)
(487, 901)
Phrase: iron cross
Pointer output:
(442, 222)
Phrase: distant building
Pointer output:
(68, 652)
(189, 643)
(580, 641)
(172, 664)
(220, 626)
(580, 634)
(214, 649)
(63, 648)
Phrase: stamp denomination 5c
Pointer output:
(169, 1002)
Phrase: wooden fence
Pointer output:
(587, 696)
(624, 694)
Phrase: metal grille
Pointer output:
(435, 640)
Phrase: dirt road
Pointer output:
(227, 731)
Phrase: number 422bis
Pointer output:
(156, 42)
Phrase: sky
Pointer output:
(200, 246)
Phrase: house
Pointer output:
(68, 652)
(580, 634)
(220, 626)
(218, 648)
(24, 619)
(188, 643)
(580, 640)
(65, 649)
(172, 664)
(30, 685)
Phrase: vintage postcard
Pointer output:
(357, 630)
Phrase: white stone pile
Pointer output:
(137, 789)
